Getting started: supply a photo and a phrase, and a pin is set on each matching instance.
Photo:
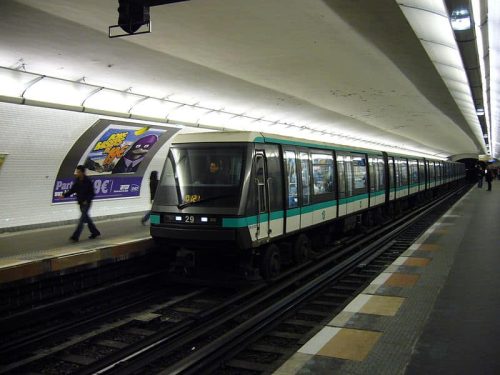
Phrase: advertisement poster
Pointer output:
(115, 154)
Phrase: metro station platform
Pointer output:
(433, 311)
(33, 253)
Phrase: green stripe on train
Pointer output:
(241, 222)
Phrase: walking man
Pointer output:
(84, 190)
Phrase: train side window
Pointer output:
(306, 178)
(374, 172)
(421, 172)
(404, 172)
(359, 174)
(291, 173)
(392, 170)
(413, 172)
(322, 168)
(399, 181)
(381, 173)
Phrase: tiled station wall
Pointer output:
(37, 140)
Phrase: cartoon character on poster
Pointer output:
(120, 149)
(135, 154)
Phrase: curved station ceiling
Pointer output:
(381, 74)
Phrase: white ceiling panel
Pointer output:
(355, 70)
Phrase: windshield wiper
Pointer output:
(215, 197)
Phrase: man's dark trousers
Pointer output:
(85, 218)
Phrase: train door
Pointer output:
(274, 186)
(359, 187)
(342, 189)
(439, 173)
(261, 176)
(269, 192)
(372, 180)
(413, 175)
(376, 179)
(392, 178)
(432, 174)
(382, 198)
(427, 175)
(306, 214)
(292, 209)
(421, 175)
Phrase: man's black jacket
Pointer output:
(84, 190)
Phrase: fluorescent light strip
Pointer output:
(476, 10)
(493, 28)
(23, 88)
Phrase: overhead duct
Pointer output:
(462, 21)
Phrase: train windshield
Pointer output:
(207, 175)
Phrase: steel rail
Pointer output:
(200, 359)
(203, 358)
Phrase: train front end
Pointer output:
(200, 194)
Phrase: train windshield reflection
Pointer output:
(210, 176)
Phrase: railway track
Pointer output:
(233, 331)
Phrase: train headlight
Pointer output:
(178, 218)
(204, 219)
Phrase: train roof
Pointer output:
(258, 137)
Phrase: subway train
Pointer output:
(267, 199)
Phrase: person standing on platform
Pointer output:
(153, 184)
(480, 175)
(489, 177)
(84, 190)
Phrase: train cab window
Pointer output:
(322, 168)
(202, 175)
(291, 173)
(306, 178)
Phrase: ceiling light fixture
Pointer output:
(460, 19)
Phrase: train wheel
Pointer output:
(271, 262)
(301, 249)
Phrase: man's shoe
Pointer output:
(73, 239)
(94, 235)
